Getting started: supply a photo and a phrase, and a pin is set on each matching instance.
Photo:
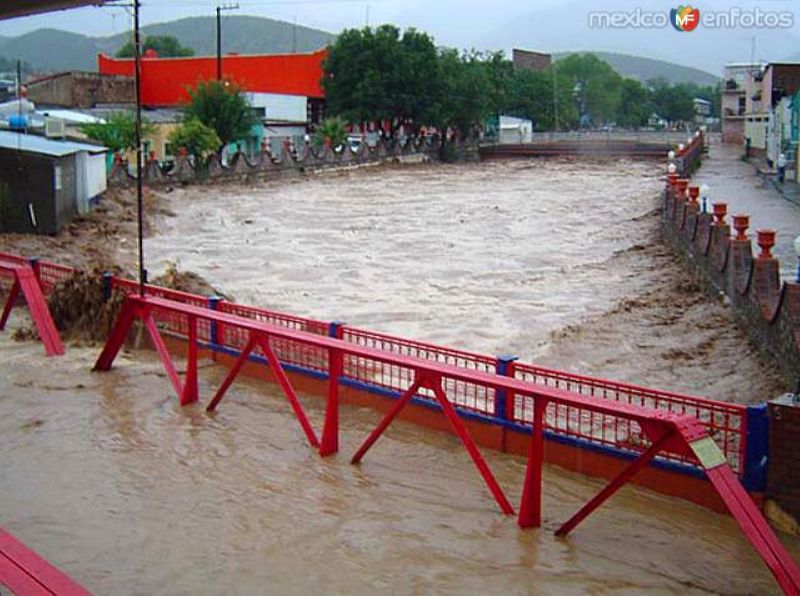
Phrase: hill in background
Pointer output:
(50, 50)
(644, 69)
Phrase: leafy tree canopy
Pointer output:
(379, 74)
(221, 106)
(198, 139)
(118, 132)
(383, 74)
(166, 46)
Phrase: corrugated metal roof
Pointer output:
(71, 116)
(19, 8)
(43, 146)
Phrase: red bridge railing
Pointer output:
(660, 431)
(725, 422)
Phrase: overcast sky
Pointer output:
(549, 25)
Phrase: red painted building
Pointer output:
(165, 80)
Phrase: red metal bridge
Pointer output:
(646, 430)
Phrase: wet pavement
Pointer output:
(736, 183)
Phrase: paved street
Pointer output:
(736, 182)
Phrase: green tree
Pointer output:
(196, 137)
(672, 102)
(634, 104)
(531, 96)
(379, 74)
(333, 129)
(166, 46)
(118, 132)
(221, 106)
(465, 98)
(594, 84)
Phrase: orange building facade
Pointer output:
(165, 81)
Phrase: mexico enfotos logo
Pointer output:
(688, 18)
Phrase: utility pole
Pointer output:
(137, 61)
(219, 35)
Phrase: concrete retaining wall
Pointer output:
(269, 164)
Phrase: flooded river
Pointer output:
(109, 478)
(490, 257)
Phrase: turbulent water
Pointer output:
(491, 257)
(109, 478)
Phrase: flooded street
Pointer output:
(106, 476)
(734, 182)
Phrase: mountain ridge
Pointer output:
(643, 68)
(53, 50)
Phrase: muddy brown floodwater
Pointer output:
(109, 478)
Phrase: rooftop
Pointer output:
(35, 144)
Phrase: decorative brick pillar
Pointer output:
(694, 193)
(783, 478)
(740, 224)
(720, 211)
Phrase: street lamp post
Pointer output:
(704, 194)
(219, 35)
(797, 250)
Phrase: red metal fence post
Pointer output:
(13, 294)
(288, 390)
(613, 486)
(330, 430)
(530, 506)
(233, 372)
(387, 420)
(190, 389)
